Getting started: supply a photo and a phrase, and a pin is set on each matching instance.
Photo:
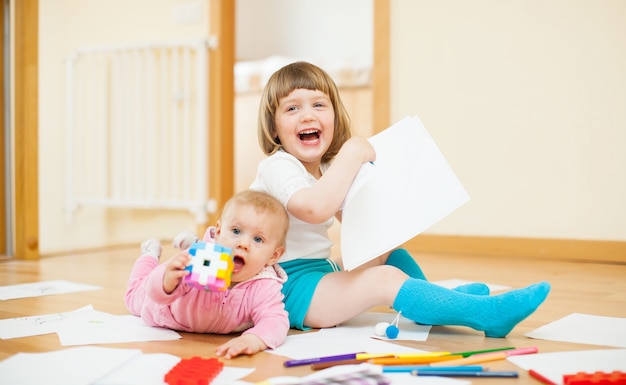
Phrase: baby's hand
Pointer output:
(244, 344)
(175, 271)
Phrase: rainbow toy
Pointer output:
(211, 266)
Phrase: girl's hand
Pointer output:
(325, 198)
(361, 148)
(244, 344)
(175, 271)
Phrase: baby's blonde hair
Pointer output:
(300, 75)
(262, 202)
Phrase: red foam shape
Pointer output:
(194, 371)
(597, 378)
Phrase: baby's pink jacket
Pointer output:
(253, 306)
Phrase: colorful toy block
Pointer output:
(211, 266)
(597, 378)
(194, 371)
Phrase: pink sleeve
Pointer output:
(154, 287)
(271, 321)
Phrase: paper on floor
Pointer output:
(584, 329)
(352, 336)
(85, 326)
(38, 289)
(554, 365)
(99, 366)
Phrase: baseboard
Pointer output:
(566, 249)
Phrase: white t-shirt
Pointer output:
(282, 175)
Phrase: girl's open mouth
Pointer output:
(309, 135)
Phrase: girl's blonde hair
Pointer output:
(300, 75)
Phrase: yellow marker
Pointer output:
(414, 360)
(367, 356)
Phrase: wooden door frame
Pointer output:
(3, 212)
(26, 113)
(221, 106)
(381, 116)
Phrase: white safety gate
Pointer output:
(137, 132)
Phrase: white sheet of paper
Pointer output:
(411, 188)
(351, 337)
(554, 365)
(150, 369)
(584, 329)
(113, 329)
(85, 326)
(77, 366)
(99, 366)
(38, 324)
(38, 289)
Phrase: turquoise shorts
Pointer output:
(303, 277)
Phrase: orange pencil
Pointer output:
(475, 359)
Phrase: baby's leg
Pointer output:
(184, 240)
(149, 259)
(404, 261)
(427, 303)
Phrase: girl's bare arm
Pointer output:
(322, 201)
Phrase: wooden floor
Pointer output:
(591, 288)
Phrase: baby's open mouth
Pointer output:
(238, 263)
(309, 135)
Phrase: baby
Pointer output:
(254, 226)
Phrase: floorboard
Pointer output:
(579, 287)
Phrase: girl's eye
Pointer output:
(258, 239)
(292, 108)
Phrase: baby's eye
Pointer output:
(236, 231)
(258, 239)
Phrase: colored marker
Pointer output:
(362, 356)
(422, 368)
(475, 359)
(541, 378)
(470, 353)
(454, 373)
(308, 361)
(486, 357)
(413, 360)
(324, 365)
(520, 351)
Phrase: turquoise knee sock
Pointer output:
(401, 259)
(497, 315)
(476, 288)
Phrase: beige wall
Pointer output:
(66, 25)
(527, 101)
